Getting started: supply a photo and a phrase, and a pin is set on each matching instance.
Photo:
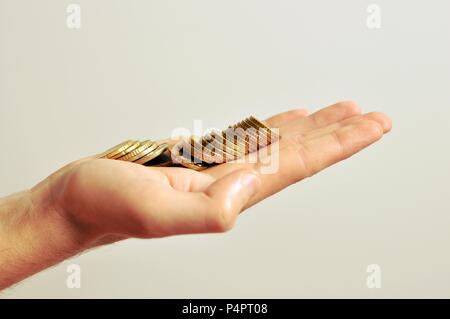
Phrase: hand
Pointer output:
(97, 201)
(105, 198)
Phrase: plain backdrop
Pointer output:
(138, 69)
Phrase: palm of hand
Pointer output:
(108, 197)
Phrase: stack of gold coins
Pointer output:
(198, 153)
(219, 147)
(135, 151)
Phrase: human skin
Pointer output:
(93, 202)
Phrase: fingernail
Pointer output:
(250, 182)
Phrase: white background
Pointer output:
(138, 69)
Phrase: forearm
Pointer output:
(34, 235)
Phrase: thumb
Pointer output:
(229, 196)
(211, 211)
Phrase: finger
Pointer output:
(273, 121)
(326, 116)
(286, 117)
(382, 119)
(308, 157)
(316, 154)
(297, 128)
(214, 210)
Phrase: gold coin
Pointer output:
(194, 154)
(195, 150)
(250, 132)
(272, 135)
(179, 156)
(209, 142)
(232, 136)
(261, 132)
(260, 123)
(239, 138)
(134, 155)
(116, 149)
(160, 148)
(243, 138)
(182, 148)
(127, 151)
(189, 163)
(198, 153)
(204, 153)
(162, 160)
(226, 149)
(230, 146)
(195, 166)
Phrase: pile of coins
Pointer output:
(135, 151)
(198, 153)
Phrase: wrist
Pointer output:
(34, 235)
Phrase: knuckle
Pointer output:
(76, 176)
(338, 141)
(373, 128)
(222, 220)
(351, 106)
(303, 161)
(303, 168)
(300, 112)
(66, 186)
(382, 119)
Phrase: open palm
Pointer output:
(116, 199)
